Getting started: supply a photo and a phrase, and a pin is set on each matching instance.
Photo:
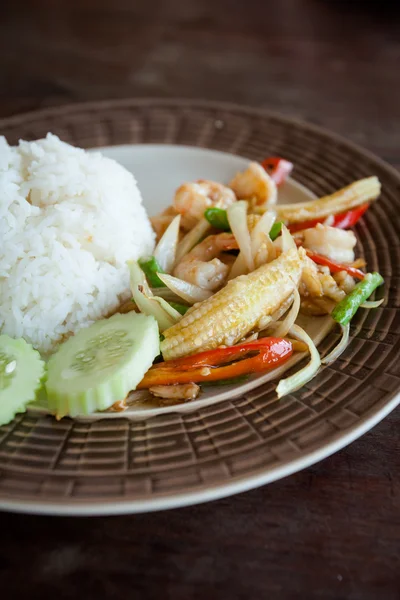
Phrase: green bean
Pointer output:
(150, 268)
(275, 230)
(347, 308)
(218, 218)
(181, 308)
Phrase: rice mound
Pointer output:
(69, 221)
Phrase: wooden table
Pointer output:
(332, 531)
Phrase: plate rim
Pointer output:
(239, 484)
(261, 476)
(73, 107)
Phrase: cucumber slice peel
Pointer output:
(21, 376)
(100, 364)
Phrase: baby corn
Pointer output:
(235, 310)
(359, 192)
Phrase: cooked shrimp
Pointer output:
(319, 288)
(192, 199)
(185, 391)
(330, 288)
(255, 184)
(336, 244)
(344, 281)
(310, 283)
(202, 267)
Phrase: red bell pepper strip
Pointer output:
(343, 220)
(271, 352)
(348, 219)
(333, 266)
(217, 356)
(277, 168)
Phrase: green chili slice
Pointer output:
(150, 268)
(218, 218)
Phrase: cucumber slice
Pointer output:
(21, 374)
(101, 364)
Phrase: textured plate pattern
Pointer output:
(163, 460)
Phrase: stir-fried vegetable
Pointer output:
(275, 230)
(148, 304)
(192, 238)
(217, 217)
(181, 308)
(296, 381)
(349, 197)
(341, 221)
(372, 303)
(262, 248)
(288, 242)
(150, 268)
(165, 293)
(244, 304)
(333, 266)
(258, 294)
(277, 168)
(187, 291)
(166, 249)
(206, 366)
(347, 308)
(340, 348)
(283, 327)
(237, 217)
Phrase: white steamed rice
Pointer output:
(69, 221)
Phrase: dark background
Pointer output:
(332, 531)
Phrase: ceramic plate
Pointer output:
(235, 438)
(175, 165)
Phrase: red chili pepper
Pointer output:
(278, 168)
(333, 266)
(271, 352)
(343, 220)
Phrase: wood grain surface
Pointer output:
(332, 531)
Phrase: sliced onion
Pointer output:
(329, 221)
(284, 326)
(372, 303)
(263, 324)
(288, 242)
(191, 239)
(189, 292)
(278, 244)
(237, 217)
(168, 308)
(341, 347)
(165, 251)
(166, 293)
(238, 267)
(271, 249)
(260, 233)
(165, 315)
(296, 381)
(265, 253)
(251, 338)
(262, 255)
(284, 307)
